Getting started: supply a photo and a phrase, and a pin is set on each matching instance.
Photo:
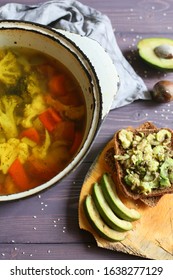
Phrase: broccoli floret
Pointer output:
(10, 70)
(27, 87)
(41, 151)
(34, 86)
(11, 150)
(19, 88)
(8, 119)
(32, 110)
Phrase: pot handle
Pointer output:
(103, 65)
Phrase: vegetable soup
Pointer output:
(42, 118)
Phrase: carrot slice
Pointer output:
(57, 85)
(31, 133)
(19, 176)
(50, 118)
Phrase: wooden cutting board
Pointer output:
(151, 236)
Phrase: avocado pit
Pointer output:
(164, 51)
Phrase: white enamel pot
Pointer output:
(89, 63)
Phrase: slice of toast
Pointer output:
(150, 199)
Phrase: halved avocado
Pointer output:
(158, 52)
(98, 224)
(109, 191)
(106, 212)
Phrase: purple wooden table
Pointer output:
(45, 226)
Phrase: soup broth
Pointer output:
(42, 118)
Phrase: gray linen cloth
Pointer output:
(75, 17)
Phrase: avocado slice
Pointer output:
(106, 212)
(98, 224)
(158, 52)
(117, 206)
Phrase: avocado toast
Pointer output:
(144, 162)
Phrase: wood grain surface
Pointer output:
(45, 226)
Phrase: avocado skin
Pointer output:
(117, 206)
(146, 52)
(106, 212)
(98, 224)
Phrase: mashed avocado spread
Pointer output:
(147, 160)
